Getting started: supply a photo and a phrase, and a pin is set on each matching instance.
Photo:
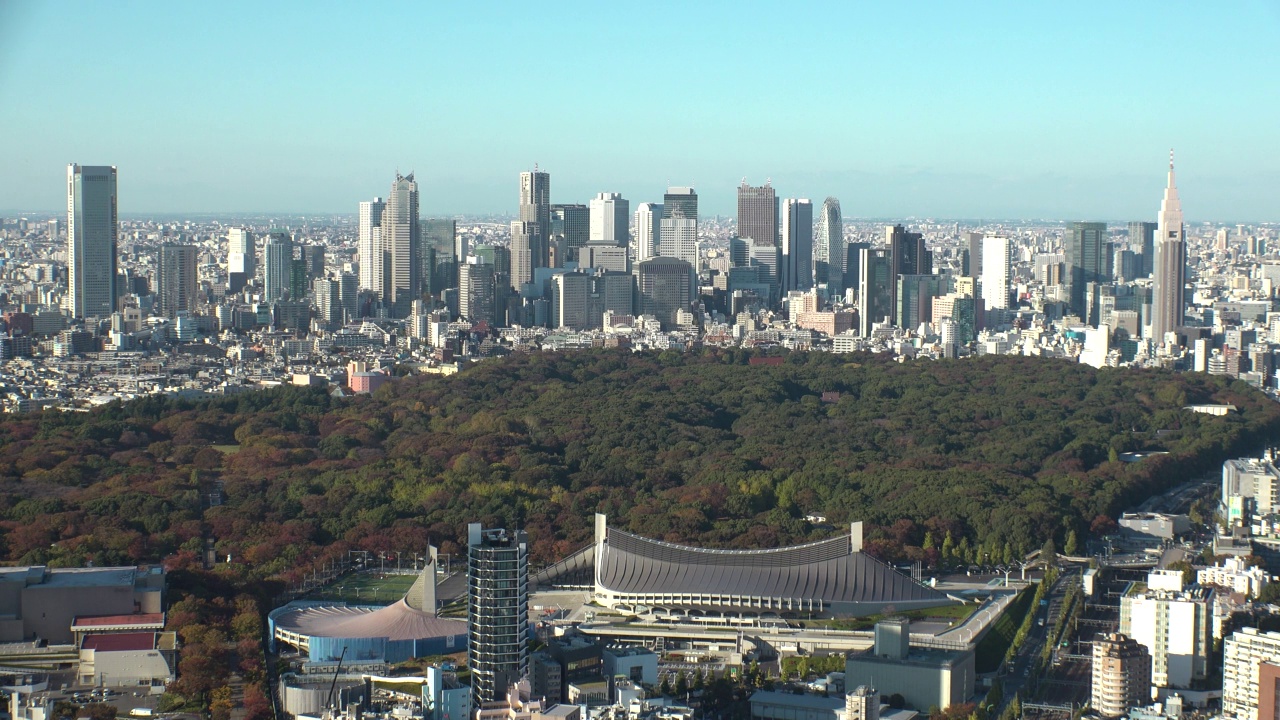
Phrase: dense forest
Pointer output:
(981, 457)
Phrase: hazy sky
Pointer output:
(948, 109)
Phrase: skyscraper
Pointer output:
(530, 234)
(242, 262)
(995, 272)
(797, 245)
(1142, 236)
(1169, 274)
(277, 265)
(401, 236)
(875, 288)
(570, 230)
(908, 255)
(758, 213)
(497, 610)
(1086, 263)
(974, 242)
(476, 291)
(610, 218)
(829, 248)
(369, 245)
(664, 286)
(648, 226)
(678, 233)
(175, 279)
(92, 234)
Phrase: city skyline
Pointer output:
(971, 124)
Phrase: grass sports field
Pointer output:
(366, 589)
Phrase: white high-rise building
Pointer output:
(829, 247)
(401, 237)
(92, 235)
(1169, 274)
(797, 244)
(678, 233)
(277, 265)
(995, 272)
(610, 218)
(647, 237)
(370, 245)
(1250, 669)
(242, 261)
(1175, 625)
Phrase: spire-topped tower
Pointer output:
(1169, 274)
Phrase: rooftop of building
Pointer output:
(809, 702)
(120, 642)
(828, 570)
(90, 622)
(928, 657)
(45, 577)
(397, 621)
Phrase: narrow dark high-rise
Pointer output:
(908, 255)
(1142, 237)
(758, 214)
(175, 287)
(1086, 263)
(497, 611)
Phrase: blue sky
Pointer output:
(939, 109)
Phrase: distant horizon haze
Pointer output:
(994, 109)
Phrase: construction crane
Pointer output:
(329, 700)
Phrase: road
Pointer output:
(1018, 672)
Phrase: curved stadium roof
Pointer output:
(397, 621)
(829, 571)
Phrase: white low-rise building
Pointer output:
(1234, 574)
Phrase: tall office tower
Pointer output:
(328, 296)
(648, 226)
(1086, 263)
(1174, 624)
(92, 234)
(680, 202)
(974, 242)
(313, 259)
(349, 296)
(476, 292)
(915, 294)
(242, 263)
(829, 248)
(615, 291)
(299, 283)
(768, 258)
(1142, 236)
(995, 272)
(797, 244)
(535, 208)
(570, 230)
(1169, 274)
(853, 264)
(758, 213)
(610, 219)
(401, 236)
(497, 611)
(739, 251)
(369, 245)
(909, 255)
(427, 269)
(1121, 675)
(664, 286)
(277, 265)
(176, 279)
(875, 288)
(570, 298)
(678, 229)
(442, 234)
(1251, 675)
(524, 241)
